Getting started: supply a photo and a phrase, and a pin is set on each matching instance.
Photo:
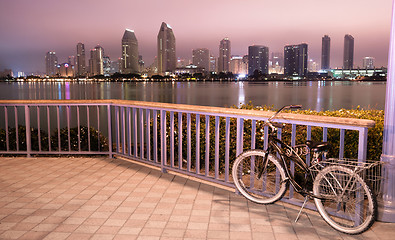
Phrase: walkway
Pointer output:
(101, 198)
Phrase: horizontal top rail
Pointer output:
(253, 114)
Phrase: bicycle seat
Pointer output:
(318, 146)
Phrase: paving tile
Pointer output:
(101, 198)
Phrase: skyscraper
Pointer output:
(258, 59)
(348, 56)
(81, 63)
(326, 52)
(295, 60)
(368, 62)
(96, 61)
(130, 53)
(166, 49)
(51, 63)
(224, 55)
(201, 58)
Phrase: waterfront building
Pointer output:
(166, 50)
(201, 58)
(258, 59)
(348, 55)
(224, 55)
(141, 64)
(213, 63)
(7, 72)
(96, 61)
(130, 53)
(51, 64)
(80, 61)
(239, 65)
(276, 63)
(313, 66)
(66, 70)
(106, 66)
(368, 62)
(326, 53)
(295, 60)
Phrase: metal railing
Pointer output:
(193, 140)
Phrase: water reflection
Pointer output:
(318, 95)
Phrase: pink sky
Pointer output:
(30, 28)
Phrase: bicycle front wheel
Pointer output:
(344, 200)
(254, 181)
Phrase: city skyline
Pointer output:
(59, 27)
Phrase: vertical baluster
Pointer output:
(98, 127)
(129, 130)
(155, 134)
(253, 134)
(341, 147)
(180, 140)
(49, 129)
(308, 138)
(118, 142)
(253, 143)
(324, 134)
(362, 144)
(216, 147)
(141, 120)
(38, 128)
(79, 129)
(189, 142)
(28, 131)
(58, 121)
(266, 137)
(7, 140)
(163, 139)
(148, 132)
(172, 139)
(227, 140)
(109, 130)
(292, 164)
(123, 131)
(89, 128)
(135, 141)
(68, 126)
(207, 154)
(279, 135)
(197, 160)
(16, 128)
(239, 137)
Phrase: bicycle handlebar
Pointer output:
(277, 125)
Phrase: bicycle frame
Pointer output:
(285, 152)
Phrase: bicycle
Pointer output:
(340, 193)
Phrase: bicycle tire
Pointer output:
(352, 213)
(269, 188)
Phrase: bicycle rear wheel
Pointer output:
(345, 201)
(254, 184)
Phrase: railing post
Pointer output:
(28, 132)
(109, 131)
(387, 203)
(163, 146)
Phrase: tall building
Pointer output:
(96, 61)
(51, 64)
(295, 60)
(368, 62)
(224, 55)
(276, 63)
(258, 59)
(213, 63)
(201, 58)
(348, 56)
(166, 49)
(326, 53)
(238, 65)
(80, 60)
(130, 53)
